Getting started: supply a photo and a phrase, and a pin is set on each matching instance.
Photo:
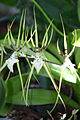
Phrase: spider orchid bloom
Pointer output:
(10, 62)
(13, 59)
(38, 63)
(67, 62)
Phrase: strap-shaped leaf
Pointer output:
(40, 97)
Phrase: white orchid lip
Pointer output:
(11, 61)
(68, 64)
(38, 63)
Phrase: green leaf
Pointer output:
(5, 109)
(12, 82)
(40, 97)
(51, 57)
(76, 92)
(53, 50)
(2, 92)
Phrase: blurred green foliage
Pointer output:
(9, 2)
(70, 11)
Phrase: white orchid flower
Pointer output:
(11, 61)
(38, 63)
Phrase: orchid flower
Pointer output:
(39, 58)
(38, 62)
(67, 62)
(10, 62)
